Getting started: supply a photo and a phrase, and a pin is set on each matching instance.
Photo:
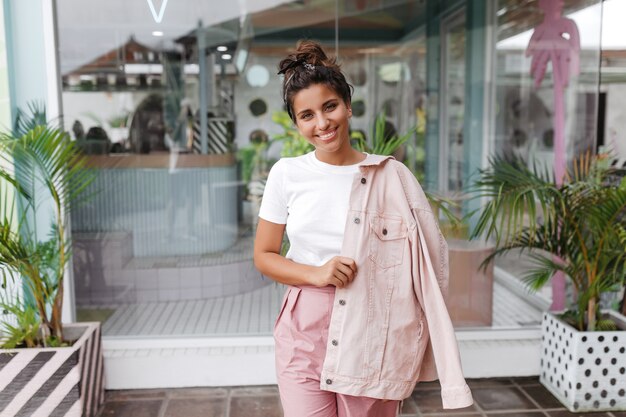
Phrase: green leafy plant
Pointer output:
(578, 228)
(294, 144)
(253, 159)
(42, 164)
(25, 332)
(121, 120)
(25, 120)
(385, 141)
(246, 156)
(444, 209)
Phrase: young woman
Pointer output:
(365, 268)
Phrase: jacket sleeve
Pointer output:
(429, 269)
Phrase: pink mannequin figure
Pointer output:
(556, 40)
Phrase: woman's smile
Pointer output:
(328, 136)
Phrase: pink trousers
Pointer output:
(301, 333)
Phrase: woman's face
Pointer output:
(323, 118)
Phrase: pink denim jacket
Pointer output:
(390, 327)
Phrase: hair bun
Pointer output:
(308, 65)
(307, 52)
(312, 53)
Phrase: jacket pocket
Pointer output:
(402, 353)
(387, 240)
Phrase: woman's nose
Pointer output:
(322, 123)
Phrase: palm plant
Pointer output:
(26, 120)
(41, 164)
(578, 228)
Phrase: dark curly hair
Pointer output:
(307, 66)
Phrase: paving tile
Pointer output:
(196, 407)
(566, 413)
(148, 408)
(542, 396)
(489, 382)
(499, 397)
(254, 390)
(502, 398)
(197, 392)
(255, 406)
(429, 401)
(527, 380)
(409, 406)
(428, 385)
(134, 394)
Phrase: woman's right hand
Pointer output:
(338, 271)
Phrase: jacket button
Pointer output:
(385, 232)
(363, 180)
(329, 381)
(334, 342)
(357, 220)
(342, 302)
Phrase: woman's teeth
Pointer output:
(327, 135)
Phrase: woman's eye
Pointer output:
(331, 106)
(306, 116)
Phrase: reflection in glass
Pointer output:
(524, 121)
(355, 73)
(258, 107)
(453, 48)
(358, 108)
(171, 229)
(390, 108)
(147, 129)
(257, 76)
(393, 73)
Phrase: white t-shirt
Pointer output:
(311, 197)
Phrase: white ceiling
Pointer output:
(90, 28)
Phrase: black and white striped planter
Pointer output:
(586, 371)
(54, 381)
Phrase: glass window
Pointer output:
(179, 110)
(556, 106)
(453, 101)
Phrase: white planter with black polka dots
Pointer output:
(586, 371)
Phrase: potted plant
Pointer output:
(119, 128)
(48, 366)
(254, 170)
(577, 228)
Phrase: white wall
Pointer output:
(244, 94)
(103, 105)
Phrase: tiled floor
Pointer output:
(254, 313)
(501, 397)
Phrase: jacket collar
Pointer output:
(374, 160)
